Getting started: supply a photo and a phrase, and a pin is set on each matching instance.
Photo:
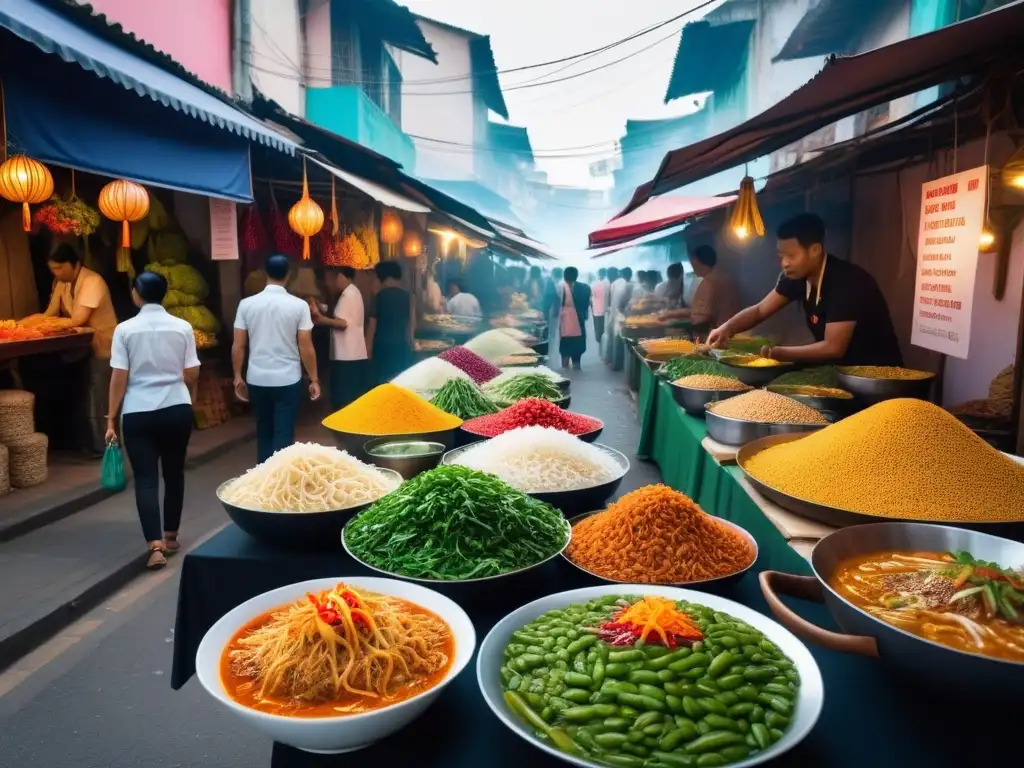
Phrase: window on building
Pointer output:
(345, 50)
(392, 90)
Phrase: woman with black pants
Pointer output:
(154, 372)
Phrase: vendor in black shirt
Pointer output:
(845, 309)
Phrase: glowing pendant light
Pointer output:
(24, 180)
(391, 230)
(306, 218)
(124, 201)
(412, 245)
(745, 220)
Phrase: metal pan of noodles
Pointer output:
(572, 502)
(297, 530)
(837, 516)
(717, 581)
(439, 582)
(926, 661)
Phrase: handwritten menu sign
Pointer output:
(223, 230)
(952, 219)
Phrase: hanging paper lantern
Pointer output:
(24, 180)
(306, 218)
(745, 219)
(391, 228)
(124, 201)
(412, 245)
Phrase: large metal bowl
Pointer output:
(355, 443)
(718, 581)
(828, 406)
(438, 582)
(954, 672)
(728, 431)
(296, 530)
(807, 707)
(468, 436)
(834, 515)
(423, 456)
(754, 377)
(870, 391)
(569, 502)
(562, 402)
(695, 401)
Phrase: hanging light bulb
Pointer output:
(1013, 174)
(987, 241)
(745, 219)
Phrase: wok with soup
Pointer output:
(919, 597)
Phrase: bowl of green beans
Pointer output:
(563, 674)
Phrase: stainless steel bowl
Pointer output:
(695, 401)
(420, 456)
(931, 664)
(296, 530)
(355, 443)
(718, 581)
(807, 707)
(728, 431)
(571, 502)
(870, 391)
(827, 405)
(438, 582)
(754, 377)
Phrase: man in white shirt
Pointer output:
(349, 365)
(276, 329)
(621, 292)
(599, 302)
(462, 303)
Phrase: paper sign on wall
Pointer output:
(952, 219)
(223, 230)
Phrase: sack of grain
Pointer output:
(16, 414)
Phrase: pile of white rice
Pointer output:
(516, 334)
(429, 375)
(511, 373)
(541, 460)
(496, 344)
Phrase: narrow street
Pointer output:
(98, 695)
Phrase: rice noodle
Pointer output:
(430, 374)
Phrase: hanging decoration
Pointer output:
(367, 234)
(306, 218)
(253, 236)
(284, 239)
(391, 231)
(745, 220)
(26, 181)
(124, 201)
(335, 218)
(412, 245)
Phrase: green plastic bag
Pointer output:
(112, 472)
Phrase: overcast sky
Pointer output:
(576, 122)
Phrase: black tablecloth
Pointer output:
(870, 719)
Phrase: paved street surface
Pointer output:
(98, 695)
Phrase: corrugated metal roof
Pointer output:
(833, 26)
(710, 57)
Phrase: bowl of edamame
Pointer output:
(643, 676)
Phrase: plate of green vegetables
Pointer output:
(641, 676)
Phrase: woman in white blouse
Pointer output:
(155, 371)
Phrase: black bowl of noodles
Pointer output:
(296, 529)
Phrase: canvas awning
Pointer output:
(710, 57)
(372, 189)
(517, 241)
(656, 214)
(845, 87)
(833, 26)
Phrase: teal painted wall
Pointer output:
(346, 111)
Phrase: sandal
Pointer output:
(171, 544)
(156, 558)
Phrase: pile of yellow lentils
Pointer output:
(709, 381)
(904, 459)
(763, 406)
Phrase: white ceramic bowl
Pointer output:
(810, 698)
(330, 735)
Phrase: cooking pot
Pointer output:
(923, 660)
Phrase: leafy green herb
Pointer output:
(524, 385)
(678, 367)
(822, 376)
(456, 523)
(749, 346)
(1001, 589)
(463, 398)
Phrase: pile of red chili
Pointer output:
(471, 363)
(531, 412)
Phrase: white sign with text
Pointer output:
(952, 219)
(223, 230)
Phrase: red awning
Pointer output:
(845, 87)
(656, 214)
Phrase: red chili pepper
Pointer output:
(351, 600)
(331, 617)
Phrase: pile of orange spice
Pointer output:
(656, 535)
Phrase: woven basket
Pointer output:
(5, 475)
(27, 460)
(16, 408)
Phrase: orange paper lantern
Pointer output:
(412, 245)
(306, 218)
(24, 180)
(391, 228)
(124, 201)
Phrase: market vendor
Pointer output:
(715, 300)
(82, 295)
(846, 312)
